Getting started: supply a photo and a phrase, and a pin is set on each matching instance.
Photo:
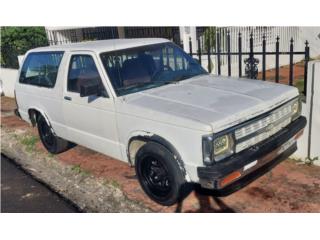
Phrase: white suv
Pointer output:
(148, 103)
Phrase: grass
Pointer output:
(29, 141)
(50, 155)
(78, 170)
(310, 161)
(112, 182)
(300, 85)
(307, 161)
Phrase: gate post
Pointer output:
(228, 50)
(240, 54)
(291, 63)
(218, 52)
(199, 51)
(251, 69)
(277, 59)
(306, 60)
(264, 57)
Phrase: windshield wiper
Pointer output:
(178, 79)
(136, 88)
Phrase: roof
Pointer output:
(103, 45)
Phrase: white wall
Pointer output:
(308, 144)
(312, 34)
(185, 34)
(8, 77)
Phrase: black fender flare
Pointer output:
(162, 141)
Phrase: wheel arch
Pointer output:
(139, 139)
(33, 113)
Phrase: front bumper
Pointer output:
(239, 170)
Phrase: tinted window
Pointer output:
(137, 69)
(41, 69)
(82, 69)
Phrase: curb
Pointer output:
(88, 193)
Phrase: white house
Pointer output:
(182, 35)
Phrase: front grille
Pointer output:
(260, 129)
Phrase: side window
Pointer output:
(83, 69)
(41, 69)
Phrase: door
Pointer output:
(90, 120)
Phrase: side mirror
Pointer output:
(89, 89)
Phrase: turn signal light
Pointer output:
(230, 178)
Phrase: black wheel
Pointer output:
(159, 174)
(51, 142)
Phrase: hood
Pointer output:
(209, 101)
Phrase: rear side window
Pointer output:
(41, 69)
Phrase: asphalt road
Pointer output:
(20, 193)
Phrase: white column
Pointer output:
(121, 32)
(311, 110)
(185, 34)
(49, 36)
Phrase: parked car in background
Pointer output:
(148, 103)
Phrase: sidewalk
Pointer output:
(290, 187)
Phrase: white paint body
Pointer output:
(180, 113)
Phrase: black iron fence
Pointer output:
(252, 64)
(171, 33)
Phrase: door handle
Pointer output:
(67, 98)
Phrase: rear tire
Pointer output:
(159, 174)
(51, 142)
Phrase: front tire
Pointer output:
(159, 174)
(50, 141)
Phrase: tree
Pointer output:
(17, 41)
(210, 35)
(210, 41)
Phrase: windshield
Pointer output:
(136, 69)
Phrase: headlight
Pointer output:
(222, 147)
(296, 109)
(218, 148)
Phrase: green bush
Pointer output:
(17, 41)
(210, 35)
